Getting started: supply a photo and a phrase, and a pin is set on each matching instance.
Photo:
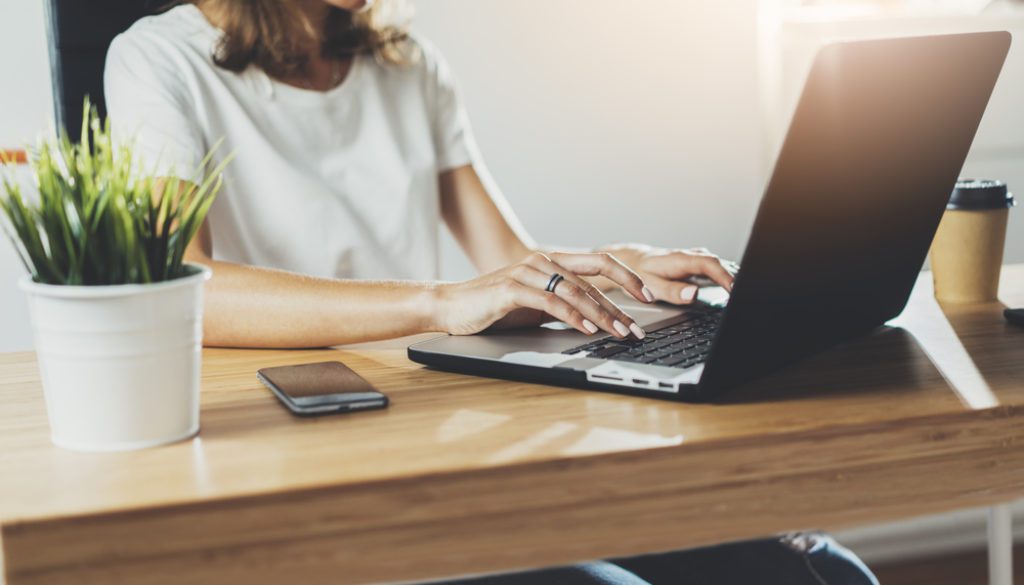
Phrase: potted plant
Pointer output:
(116, 313)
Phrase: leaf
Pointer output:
(98, 220)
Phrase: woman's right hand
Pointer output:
(515, 296)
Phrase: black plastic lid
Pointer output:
(980, 194)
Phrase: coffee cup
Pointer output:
(967, 252)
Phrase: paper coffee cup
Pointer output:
(967, 252)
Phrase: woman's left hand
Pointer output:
(665, 271)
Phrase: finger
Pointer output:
(608, 266)
(672, 291)
(681, 265)
(622, 324)
(533, 298)
(595, 315)
(711, 266)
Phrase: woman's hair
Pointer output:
(275, 35)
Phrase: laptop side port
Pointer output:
(633, 376)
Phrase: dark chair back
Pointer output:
(79, 33)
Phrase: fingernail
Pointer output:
(637, 331)
(590, 327)
(648, 294)
(688, 293)
(620, 328)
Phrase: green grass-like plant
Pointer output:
(98, 220)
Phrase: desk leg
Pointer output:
(1000, 545)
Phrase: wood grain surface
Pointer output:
(467, 475)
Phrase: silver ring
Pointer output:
(555, 279)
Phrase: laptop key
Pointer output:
(673, 360)
(589, 346)
(608, 351)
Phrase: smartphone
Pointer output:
(321, 388)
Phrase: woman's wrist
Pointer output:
(429, 307)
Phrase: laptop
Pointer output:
(873, 151)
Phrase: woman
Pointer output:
(351, 145)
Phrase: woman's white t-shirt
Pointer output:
(342, 183)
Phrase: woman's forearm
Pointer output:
(481, 220)
(246, 306)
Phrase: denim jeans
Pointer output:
(799, 559)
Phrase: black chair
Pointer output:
(78, 34)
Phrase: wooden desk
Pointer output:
(466, 475)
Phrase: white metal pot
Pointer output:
(120, 364)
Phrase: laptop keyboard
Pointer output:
(682, 344)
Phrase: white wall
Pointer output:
(25, 110)
(26, 100)
(604, 124)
